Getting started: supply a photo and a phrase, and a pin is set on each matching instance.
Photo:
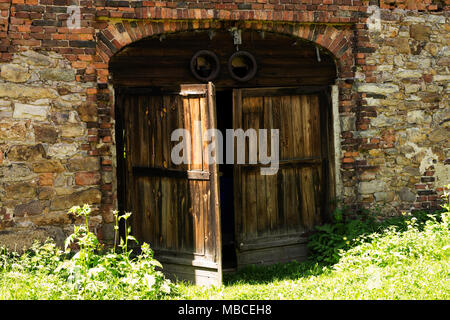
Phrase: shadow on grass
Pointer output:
(255, 274)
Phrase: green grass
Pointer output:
(411, 264)
(28, 286)
(422, 280)
(397, 263)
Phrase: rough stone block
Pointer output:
(378, 88)
(15, 91)
(62, 150)
(66, 75)
(26, 153)
(90, 196)
(84, 164)
(28, 111)
(45, 133)
(369, 187)
(14, 73)
(87, 178)
(46, 166)
(72, 131)
(31, 208)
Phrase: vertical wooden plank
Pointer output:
(151, 130)
(180, 123)
(288, 153)
(152, 218)
(238, 179)
(139, 155)
(197, 218)
(158, 222)
(165, 138)
(144, 225)
(270, 180)
(206, 186)
(190, 235)
(243, 205)
(287, 113)
(197, 154)
(297, 200)
(307, 198)
(187, 126)
(158, 133)
(146, 196)
(281, 222)
(262, 206)
(293, 215)
(306, 120)
(182, 212)
(262, 120)
(250, 192)
(297, 127)
(307, 192)
(190, 185)
(315, 126)
(172, 222)
(317, 189)
(298, 153)
(214, 237)
(203, 117)
(175, 123)
(278, 123)
(165, 189)
(142, 129)
(299, 192)
(251, 105)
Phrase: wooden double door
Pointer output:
(176, 207)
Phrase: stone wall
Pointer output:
(403, 126)
(44, 166)
(57, 111)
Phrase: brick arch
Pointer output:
(116, 36)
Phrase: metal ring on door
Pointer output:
(242, 66)
(205, 65)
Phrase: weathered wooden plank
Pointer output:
(159, 133)
(238, 183)
(171, 173)
(308, 209)
(196, 133)
(147, 197)
(213, 241)
(193, 89)
(315, 126)
(272, 255)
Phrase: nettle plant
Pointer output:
(93, 272)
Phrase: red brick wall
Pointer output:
(429, 5)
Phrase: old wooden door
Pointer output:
(273, 213)
(175, 207)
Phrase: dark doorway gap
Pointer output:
(224, 111)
